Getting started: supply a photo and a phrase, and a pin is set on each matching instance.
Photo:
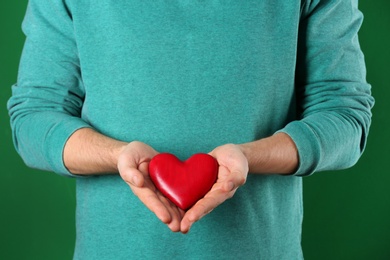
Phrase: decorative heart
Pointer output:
(184, 183)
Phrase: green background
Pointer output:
(347, 213)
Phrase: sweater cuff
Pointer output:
(56, 139)
(308, 146)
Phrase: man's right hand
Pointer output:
(133, 164)
(88, 152)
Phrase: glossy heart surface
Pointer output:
(183, 182)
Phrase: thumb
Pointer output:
(235, 180)
(136, 178)
(130, 174)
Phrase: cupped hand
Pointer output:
(133, 163)
(232, 173)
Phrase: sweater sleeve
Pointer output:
(333, 97)
(46, 102)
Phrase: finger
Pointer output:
(176, 213)
(129, 171)
(132, 176)
(134, 168)
(173, 221)
(162, 207)
(230, 180)
(221, 191)
(234, 180)
(204, 206)
(151, 200)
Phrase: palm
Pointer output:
(133, 167)
(232, 173)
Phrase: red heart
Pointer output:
(184, 183)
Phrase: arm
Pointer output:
(273, 155)
(333, 97)
(335, 103)
(89, 152)
(45, 106)
(45, 111)
(276, 154)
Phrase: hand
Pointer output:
(232, 173)
(133, 163)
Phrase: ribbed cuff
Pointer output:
(308, 146)
(56, 139)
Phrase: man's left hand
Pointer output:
(232, 173)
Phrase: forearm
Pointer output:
(276, 154)
(89, 152)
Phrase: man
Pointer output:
(272, 88)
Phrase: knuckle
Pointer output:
(241, 180)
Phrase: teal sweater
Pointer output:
(184, 77)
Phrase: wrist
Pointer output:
(89, 152)
(276, 154)
(117, 150)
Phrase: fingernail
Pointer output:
(187, 230)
